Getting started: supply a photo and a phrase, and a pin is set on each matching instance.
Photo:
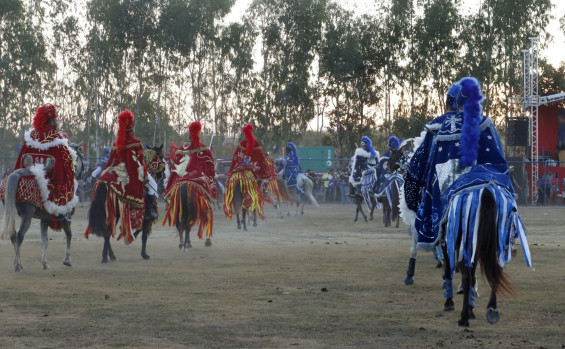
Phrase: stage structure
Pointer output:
(530, 100)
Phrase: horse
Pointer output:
(193, 208)
(27, 211)
(482, 234)
(389, 195)
(97, 221)
(299, 192)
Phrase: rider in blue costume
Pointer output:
(291, 166)
(365, 158)
(458, 173)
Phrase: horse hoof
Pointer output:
(371, 218)
(67, 262)
(239, 227)
(112, 258)
(45, 267)
(492, 315)
(208, 243)
(145, 256)
(365, 219)
(104, 260)
(18, 268)
(449, 305)
(471, 314)
(254, 224)
(408, 281)
(463, 323)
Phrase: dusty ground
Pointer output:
(262, 289)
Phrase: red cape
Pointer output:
(49, 148)
(125, 172)
(199, 170)
(256, 162)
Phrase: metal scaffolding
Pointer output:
(530, 100)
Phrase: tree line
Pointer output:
(286, 65)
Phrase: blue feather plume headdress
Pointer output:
(470, 98)
(369, 146)
(452, 93)
(393, 143)
(291, 148)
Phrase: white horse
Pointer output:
(304, 186)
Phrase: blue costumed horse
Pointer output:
(474, 215)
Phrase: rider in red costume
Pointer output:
(47, 154)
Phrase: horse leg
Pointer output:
(363, 213)
(144, 235)
(187, 243)
(180, 230)
(448, 293)
(18, 238)
(472, 292)
(466, 280)
(409, 279)
(244, 216)
(302, 209)
(238, 221)
(397, 221)
(105, 248)
(373, 205)
(356, 212)
(492, 310)
(69, 235)
(110, 251)
(43, 226)
(255, 218)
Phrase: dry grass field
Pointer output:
(263, 289)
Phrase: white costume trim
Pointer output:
(38, 171)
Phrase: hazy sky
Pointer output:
(553, 52)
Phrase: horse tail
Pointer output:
(308, 188)
(97, 211)
(10, 210)
(487, 246)
(187, 216)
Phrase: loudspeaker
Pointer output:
(518, 132)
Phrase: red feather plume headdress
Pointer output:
(125, 123)
(194, 129)
(248, 132)
(43, 114)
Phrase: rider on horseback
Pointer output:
(126, 177)
(47, 154)
(291, 166)
(365, 158)
(248, 166)
(199, 178)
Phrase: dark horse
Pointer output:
(188, 216)
(97, 211)
(98, 226)
(27, 211)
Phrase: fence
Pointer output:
(550, 186)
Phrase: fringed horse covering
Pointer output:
(203, 214)
(368, 181)
(385, 186)
(280, 195)
(130, 214)
(462, 222)
(253, 198)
